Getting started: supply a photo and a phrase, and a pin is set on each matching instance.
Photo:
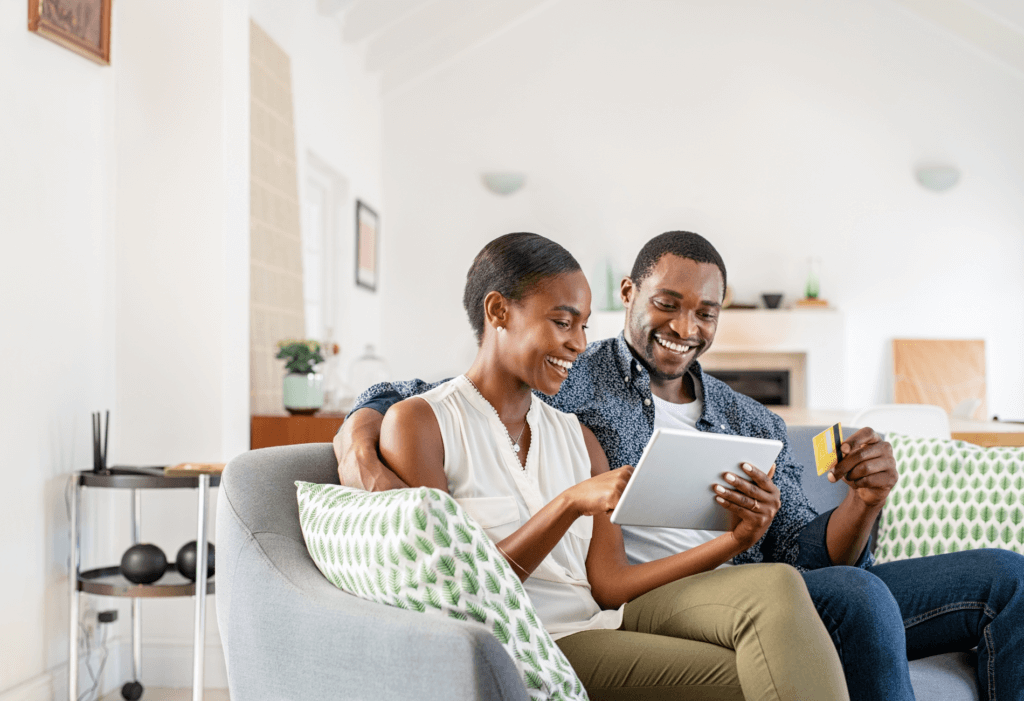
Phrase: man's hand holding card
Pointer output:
(863, 460)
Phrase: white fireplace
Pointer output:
(808, 343)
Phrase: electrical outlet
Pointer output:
(89, 618)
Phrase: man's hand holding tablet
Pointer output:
(753, 503)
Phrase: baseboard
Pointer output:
(165, 663)
(50, 685)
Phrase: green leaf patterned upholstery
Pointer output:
(417, 549)
(952, 496)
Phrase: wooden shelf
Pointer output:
(271, 430)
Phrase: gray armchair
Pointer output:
(288, 633)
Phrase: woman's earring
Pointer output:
(499, 329)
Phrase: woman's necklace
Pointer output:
(513, 442)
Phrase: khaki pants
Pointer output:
(746, 632)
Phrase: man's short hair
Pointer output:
(684, 244)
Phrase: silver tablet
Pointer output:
(672, 485)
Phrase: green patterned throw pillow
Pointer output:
(417, 549)
(952, 496)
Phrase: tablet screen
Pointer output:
(673, 483)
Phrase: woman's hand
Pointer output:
(753, 504)
(600, 494)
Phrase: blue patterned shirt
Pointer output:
(610, 392)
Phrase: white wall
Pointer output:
(56, 330)
(124, 285)
(182, 242)
(337, 121)
(778, 131)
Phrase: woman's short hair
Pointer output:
(512, 265)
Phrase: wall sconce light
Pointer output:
(937, 178)
(503, 183)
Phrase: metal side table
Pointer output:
(108, 581)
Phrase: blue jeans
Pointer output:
(882, 616)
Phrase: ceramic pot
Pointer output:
(303, 393)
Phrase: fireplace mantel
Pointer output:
(817, 334)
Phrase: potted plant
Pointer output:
(303, 387)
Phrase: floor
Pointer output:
(171, 695)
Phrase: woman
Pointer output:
(538, 482)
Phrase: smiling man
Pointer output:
(879, 616)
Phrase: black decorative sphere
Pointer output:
(132, 691)
(186, 560)
(143, 563)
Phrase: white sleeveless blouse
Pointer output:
(486, 479)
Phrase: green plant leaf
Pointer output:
(408, 551)
(498, 609)
(501, 632)
(441, 517)
(450, 591)
(425, 545)
(476, 613)
(441, 538)
(481, 553)
(462, 533)
(467, 559)
(446, 565)
(522, 631)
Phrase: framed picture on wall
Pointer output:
(367, 237)
(80, 25)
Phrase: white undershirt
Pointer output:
(646, 543)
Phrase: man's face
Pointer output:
(671, 318)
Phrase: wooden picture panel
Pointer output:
(80, 25)
(946, 373)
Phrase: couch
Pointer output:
(288, 633)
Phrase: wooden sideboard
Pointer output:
(269, 430)
(989, 434)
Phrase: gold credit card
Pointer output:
(826, 448)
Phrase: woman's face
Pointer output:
(546, 331)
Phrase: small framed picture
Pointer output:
(367, 238)
(80, 25)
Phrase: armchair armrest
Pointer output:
(289, 633)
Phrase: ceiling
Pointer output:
(404, 40)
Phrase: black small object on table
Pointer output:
(108, 581)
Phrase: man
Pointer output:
(879, 616)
